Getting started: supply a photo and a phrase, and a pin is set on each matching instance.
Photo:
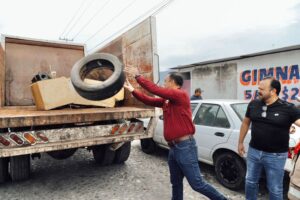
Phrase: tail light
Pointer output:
(131, 127)
(29, 138)
(139, 127)
(42, 136)
(115, 129)
(4, 141)
(16, 139)
(123, 128)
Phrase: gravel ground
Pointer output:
(142, 177)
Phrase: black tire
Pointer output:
(230, 170)
(103, 155)
(19, 167)
(105, 89)
(122, 154)
(4, 176)
(62, 154)
(148, 145)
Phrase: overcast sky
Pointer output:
(188, 31)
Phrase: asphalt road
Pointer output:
(142, 177)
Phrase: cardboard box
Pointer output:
(53, 93)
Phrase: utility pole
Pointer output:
(66, 39)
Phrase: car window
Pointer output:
(221, 120)
(211, 115)
(240, 109)
(193, 106)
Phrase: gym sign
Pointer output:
(288, 75)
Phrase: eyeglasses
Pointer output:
(264, 113)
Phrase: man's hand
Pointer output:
(132, 71)
(241, 149)
(128, 86)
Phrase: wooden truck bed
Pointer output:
(24, 116)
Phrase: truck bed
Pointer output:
(24, 116)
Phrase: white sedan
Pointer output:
(217, 131)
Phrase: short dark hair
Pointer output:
(198, 90)
(275, 84)
(177, 78)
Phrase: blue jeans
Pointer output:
(273, 164)
(183, 162)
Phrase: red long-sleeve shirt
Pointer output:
(176, 108)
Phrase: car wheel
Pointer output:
(148, 145)
(19, 167)
(62, 154)
(4, 176)
(230, 170)
(103, 155)
(110, 72)
(122, 154)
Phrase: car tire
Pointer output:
(148, 146)
(62, 154)
(230, 170)
(19, 167)
(4, 176)
(122, 154)
(102, 90)
(103, 155)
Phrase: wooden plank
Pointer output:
(29, 116)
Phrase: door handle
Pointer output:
(219, 134)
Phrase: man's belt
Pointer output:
(172, 143)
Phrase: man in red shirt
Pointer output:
(178, 132)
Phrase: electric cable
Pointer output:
(79, 18)
(83, 1)
(113, 18)
(92, 18)
(134, 22)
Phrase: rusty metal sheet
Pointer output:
(2, 76)
(29, 116)
(136, 48)
(25, 58)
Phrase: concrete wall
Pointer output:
(217, 80)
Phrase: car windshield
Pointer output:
(240, 109)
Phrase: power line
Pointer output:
(113, 18)
(83, 1)
(135, 21)
(91, 19)
(79, 18)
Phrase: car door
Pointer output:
(159, 130)
(212, 128)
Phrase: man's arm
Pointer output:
(243, 132)
(151, 101)
(165, 93)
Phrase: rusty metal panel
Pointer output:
(136, 48)
(28, 116)
(25, 58)
(2, 76)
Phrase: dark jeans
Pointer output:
(183, 162)
(273, 164)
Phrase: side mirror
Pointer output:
(161, 117)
